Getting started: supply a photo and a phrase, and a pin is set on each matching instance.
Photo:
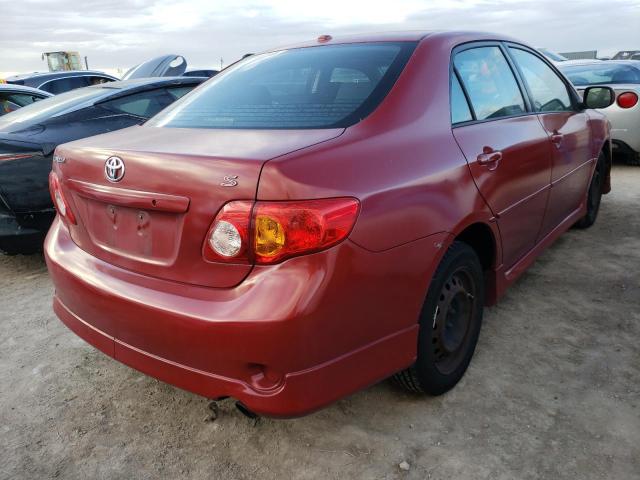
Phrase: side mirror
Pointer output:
(598, 97)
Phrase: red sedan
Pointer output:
(317, 218)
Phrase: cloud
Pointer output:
(116, 33)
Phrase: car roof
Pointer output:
(53, 75)
(399, 36)
(21, 88)
(402, 36)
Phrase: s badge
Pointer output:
(230, 181)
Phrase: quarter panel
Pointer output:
(401, 162)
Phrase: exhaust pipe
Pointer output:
(246, 412)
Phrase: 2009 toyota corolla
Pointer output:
(318, 218)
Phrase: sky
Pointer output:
(120, 34)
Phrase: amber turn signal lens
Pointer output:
(289, 229)
(270, 237)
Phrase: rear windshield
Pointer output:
(317, 87)
(599, 74)
(50, 107)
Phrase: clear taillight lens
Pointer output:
(225, 239)
(228, 237)
(269, 232)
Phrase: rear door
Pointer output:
(568, 131)
(505, 145)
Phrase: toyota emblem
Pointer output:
(114, 169)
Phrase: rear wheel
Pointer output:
(633, 159)
(595, 194)
(449, 324)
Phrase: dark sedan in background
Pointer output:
(60, 82)
(13, 97)
(29, 136)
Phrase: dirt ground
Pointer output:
(553, 391)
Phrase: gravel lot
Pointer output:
(553, 391)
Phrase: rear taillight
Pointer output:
(59, 200)
(269, 232)
(286, 229)
(627, 100)
(228, 237)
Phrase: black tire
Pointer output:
(21, 246)
(633, 159)
(450, 323)
(594, 196)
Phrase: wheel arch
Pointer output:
(483, 237)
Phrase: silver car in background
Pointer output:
(624, 77)
(13, 97)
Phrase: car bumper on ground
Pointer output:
(290, 339)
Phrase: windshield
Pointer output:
(50, 107)
(316, 87)
(599, 74)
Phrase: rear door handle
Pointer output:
(490, 158)
(556, 139)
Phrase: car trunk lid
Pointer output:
(155, 219)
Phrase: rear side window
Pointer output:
(490, 83)
(177, 92)
(548, 91)
(7, 106)
(97, 80)
(65, 84)
(327, 86)
(460, 111)
(143, 104)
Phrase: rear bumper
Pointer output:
(628, 138)
(288, 340)
(625, 126)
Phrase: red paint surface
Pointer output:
(289, 338)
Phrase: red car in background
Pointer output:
(320, 217)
